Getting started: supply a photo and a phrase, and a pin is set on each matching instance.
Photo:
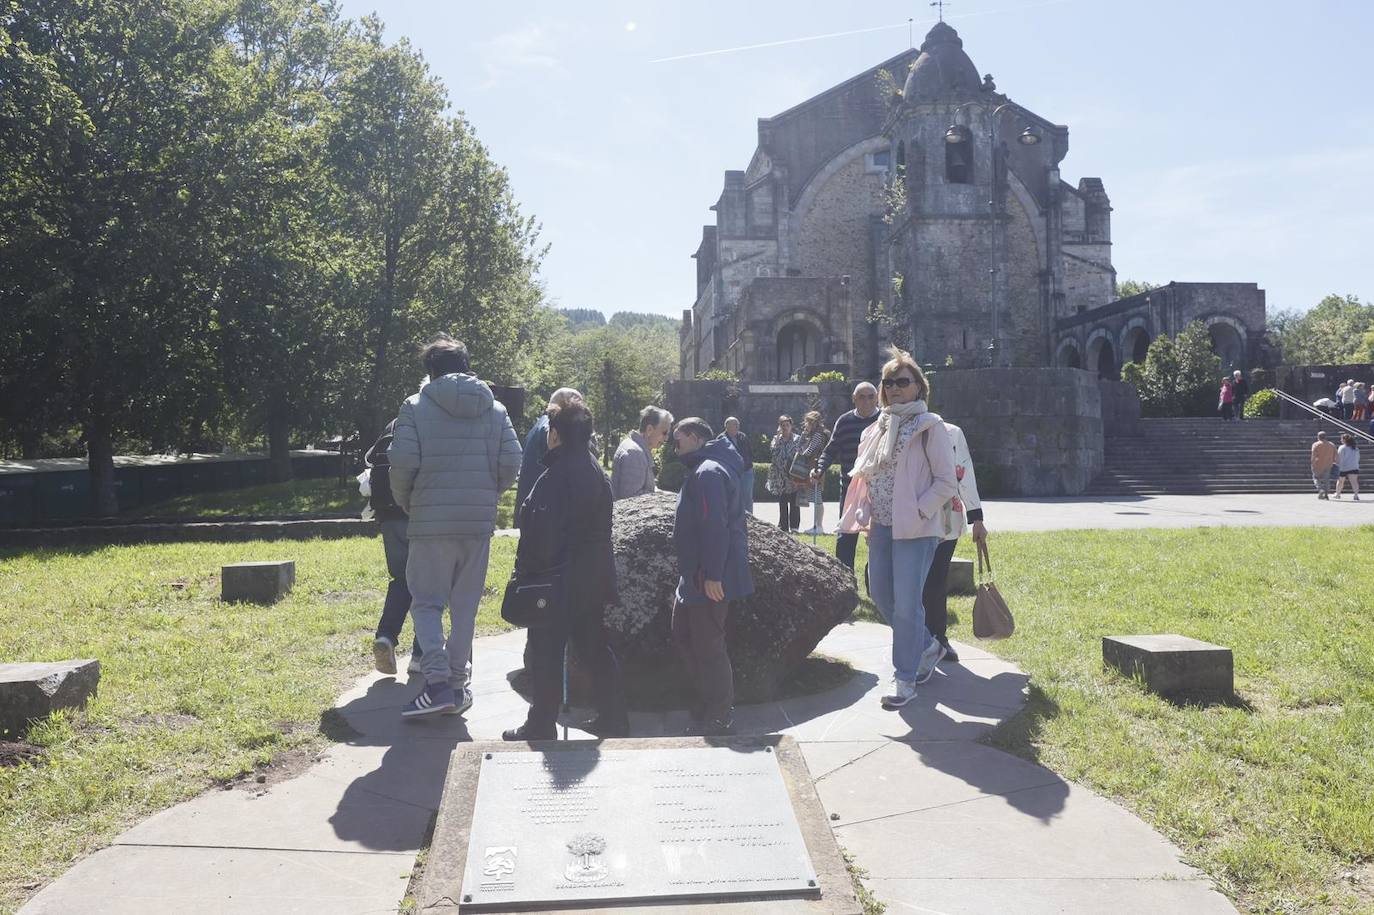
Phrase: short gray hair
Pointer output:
(564, 396)
(864, 387)
(732, 419)
(652, 417)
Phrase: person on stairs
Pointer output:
(1348, 464)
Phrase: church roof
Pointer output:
(943, 70)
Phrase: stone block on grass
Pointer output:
(31, 690)
(257, 582)
(1172, 665)
(960, 579)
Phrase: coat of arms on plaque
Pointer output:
(587, 868)
(500, 861)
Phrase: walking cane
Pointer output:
(565, 690)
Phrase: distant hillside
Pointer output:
(583, 317)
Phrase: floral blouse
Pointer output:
(784, 453)
(881, 483)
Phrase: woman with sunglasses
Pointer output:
(902, 480)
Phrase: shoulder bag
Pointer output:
(991, 616)
(534, 598)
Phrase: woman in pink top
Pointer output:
(1226, 404)
(902, 479)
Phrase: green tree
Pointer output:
(1127, 288)
(102, 258)
(1180, 376)
(1333, 332)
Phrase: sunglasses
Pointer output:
(901, 382)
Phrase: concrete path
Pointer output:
(942, 823)
(1119, 513)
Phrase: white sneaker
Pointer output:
(934, 654)
(384, 655)
(902, 692)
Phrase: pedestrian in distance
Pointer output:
(1347, 399)
(453, 454)
(392, 520)
(632, 468)
(536, 443)
(713, 566)
(1348, 464)
(1226, 403)
(1361, 402)
(1240, 389)
(814, 438)
(903, 478)
(1323, 458)
(843, 448)
(781, 484)
(963, 513)
(566, 524)
(746, 454)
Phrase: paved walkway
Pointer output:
(942, 823)
(1078, 513)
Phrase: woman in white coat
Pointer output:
(965, 513)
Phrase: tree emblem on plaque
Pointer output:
(500, 861)
(587, 868)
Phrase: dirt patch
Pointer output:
(283, 767)
(17, 752)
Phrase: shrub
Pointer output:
(1262, 404)
(1179, 377)
(822, 377)
(717, 375)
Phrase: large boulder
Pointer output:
(800, 594)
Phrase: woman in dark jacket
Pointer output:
(566, 521)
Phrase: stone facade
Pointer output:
(1102, 339)
(1031, 432)
(933, 216)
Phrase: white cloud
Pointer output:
(530, 47)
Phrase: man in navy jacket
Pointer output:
(713, 565)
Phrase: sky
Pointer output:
(1235, 139)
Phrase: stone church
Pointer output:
(916, 204)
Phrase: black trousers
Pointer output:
(789, 512)
(845, 544)
(544, 657)
(935, 597)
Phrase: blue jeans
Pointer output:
(746, 486)
(897, 572)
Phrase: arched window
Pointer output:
(1229, 345)
(798, 345)
(959, 157)
(1068, 357)
(1137, 345)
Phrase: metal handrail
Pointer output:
(1335, 421)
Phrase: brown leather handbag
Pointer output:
(991, 616)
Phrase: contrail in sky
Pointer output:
(876, 28)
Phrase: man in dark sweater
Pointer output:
(1240, 390)
(843, 448)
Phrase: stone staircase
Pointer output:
(1204, 455)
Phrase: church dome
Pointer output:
(943, 70)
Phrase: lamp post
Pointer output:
(1027, 137)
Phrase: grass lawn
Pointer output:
(192, 690)
(324, 496)
(1274, 796)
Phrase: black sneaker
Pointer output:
(527, 733)
(950, 653)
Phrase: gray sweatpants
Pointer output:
(452, 571)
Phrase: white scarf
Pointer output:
(882, 446)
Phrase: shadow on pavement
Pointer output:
(410, 774)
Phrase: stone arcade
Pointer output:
(919, 194)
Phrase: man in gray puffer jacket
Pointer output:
(453, 454)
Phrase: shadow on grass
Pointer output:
(1020, 735)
